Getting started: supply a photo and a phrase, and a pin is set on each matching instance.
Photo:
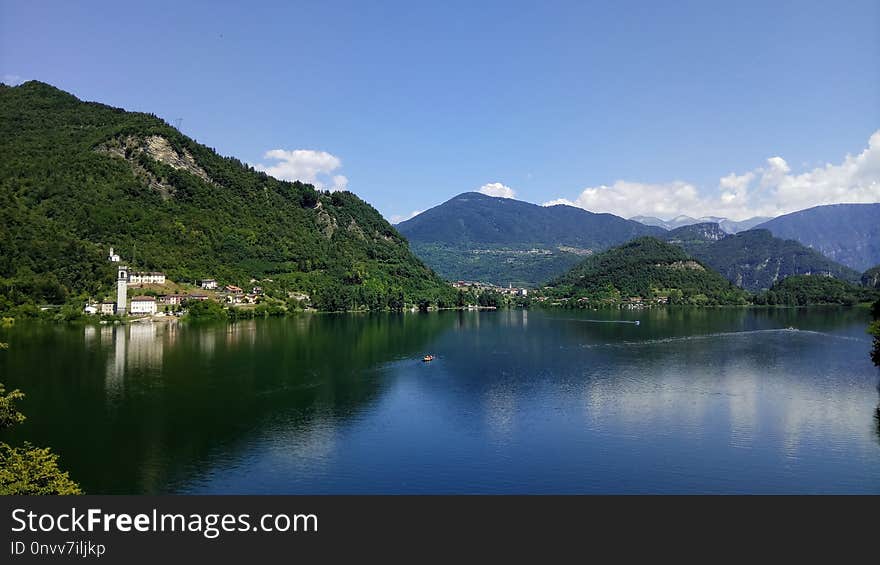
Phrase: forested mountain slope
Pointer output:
(79, 177)
(846, 233)
(477, 237)
(754, 259)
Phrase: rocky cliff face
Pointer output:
(159, 148)
(696, 234)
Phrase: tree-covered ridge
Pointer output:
(647, 268)
(755, 260)
(846, 233)
(78, 177)
(805, 290)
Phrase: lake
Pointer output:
(687, 401)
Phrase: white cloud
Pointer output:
(769, 190)
(497, 190)
(305, 165)
(397, 218)
(340, 182)
(12, 80)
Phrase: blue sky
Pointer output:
(629, 107)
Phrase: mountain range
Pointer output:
(77, 178)
(477, 237)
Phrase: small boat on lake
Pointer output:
(427, 358)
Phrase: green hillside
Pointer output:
(804, 290)
(646, 268)
(498, 264)
(755, 260)
(78, 177)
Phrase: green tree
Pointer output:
(207, 310)
(806, 290)
(28, 470)
(874, 330)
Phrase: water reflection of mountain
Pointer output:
(159, 403)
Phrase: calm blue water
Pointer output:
(689, 401)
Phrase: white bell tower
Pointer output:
(121, 290)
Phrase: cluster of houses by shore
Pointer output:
(149, 304)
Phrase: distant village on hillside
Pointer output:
(509, 290)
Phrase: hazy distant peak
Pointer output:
(729, 226)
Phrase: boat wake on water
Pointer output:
(633, 322)
(717, 335)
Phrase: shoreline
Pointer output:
(88, 320)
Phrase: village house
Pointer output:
(143, 305)
(146, 278)
(171, 299)
(108, 308)
(208, 284)
(233, 289)
(235, 298)
(199, 297)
